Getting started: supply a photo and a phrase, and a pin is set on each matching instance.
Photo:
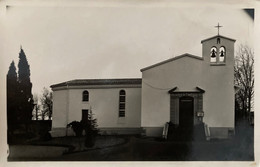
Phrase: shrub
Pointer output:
(91, 130)
(77, 127)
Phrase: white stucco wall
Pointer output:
(159, 80)
(186, 73)
(60, 104)
(220, 96)
(104, 103)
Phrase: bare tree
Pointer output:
(37, 107)
(244, 79)
(46, 101)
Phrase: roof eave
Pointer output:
(59, 85)
(128, 81)
(171, 59)
(218, 36)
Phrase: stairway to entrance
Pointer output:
(179, 133)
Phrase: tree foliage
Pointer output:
(25, 89)
(244, 79)
(12, 105)
(19, 96)
(24, 69)
(37, 108)
(77, 127)
(42, 105)
(92, 122)
(91, 130)
(90, 127)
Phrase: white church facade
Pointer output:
(185, 90)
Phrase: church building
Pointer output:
(186, 90)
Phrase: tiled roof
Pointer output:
(82, 82)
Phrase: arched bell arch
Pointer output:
(222, 54)
(213, 54)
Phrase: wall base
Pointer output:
(152, 131)
(215, 132)
(120, 131)
(221, 132)
(61, 132)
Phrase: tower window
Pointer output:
(213, 54)
(222, 54)
(122, 103)
(218, 40)
(85, 96)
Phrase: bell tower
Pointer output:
(218, 80)
(218, 50)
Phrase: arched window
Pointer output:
(213, 54)
(222, 54)
(218, 40)
(122, 103)
(85, 95)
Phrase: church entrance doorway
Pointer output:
(84, 115)
(186, 116)
(183, 107)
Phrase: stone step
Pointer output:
(186, 134)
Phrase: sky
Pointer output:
(66, 42)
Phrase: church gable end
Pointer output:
(172, 59)
(203, 83)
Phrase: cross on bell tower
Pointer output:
(218, 26)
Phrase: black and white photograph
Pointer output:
(128, 81)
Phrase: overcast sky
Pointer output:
(82, 42)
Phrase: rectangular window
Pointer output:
(121, 113)
(122, 95)
(122, 98)
(122, 106)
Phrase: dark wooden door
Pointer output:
(84, 115)
(186, 112)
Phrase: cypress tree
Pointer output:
(11, 84)
(25, 89)
(91, 129)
